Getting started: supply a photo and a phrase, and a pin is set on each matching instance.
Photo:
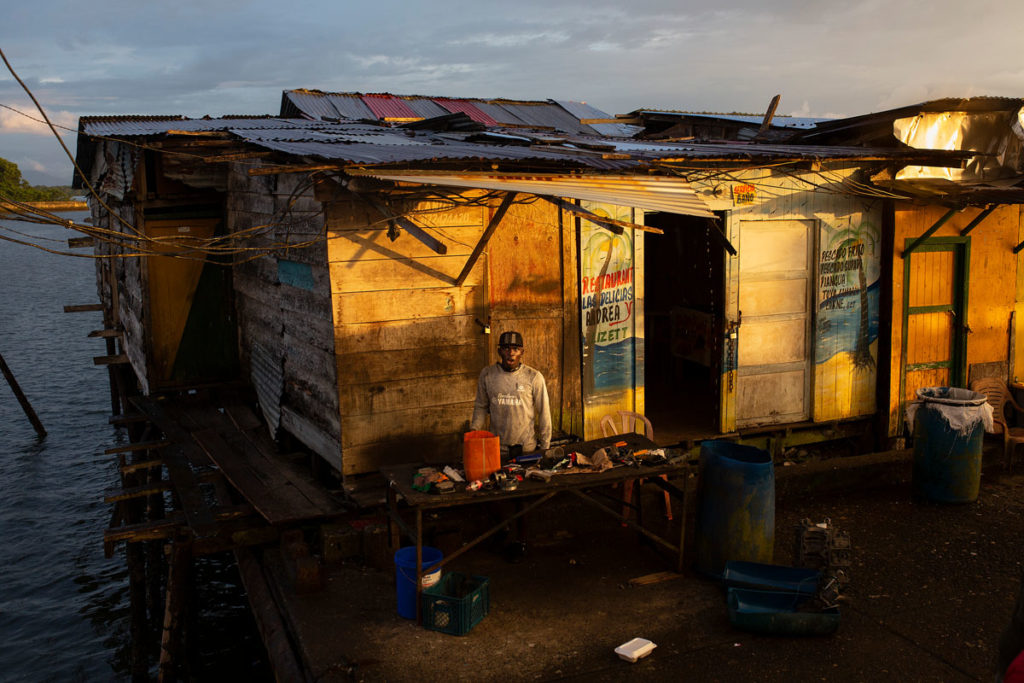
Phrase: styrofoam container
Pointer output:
(635, 649)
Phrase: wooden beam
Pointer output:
(121, 420)
(179, 588)
(612, 224)
(485, 238)
(416, 231)
(22, 399)
(149, 489)
(83, 308)
(105, 334)
(766, 122)
(235, 157)
(145, 531)
(929, 232)
(120, 359)
(309, 168)
(144, 465)
(140, 446)
(77, 242)
(978, 219)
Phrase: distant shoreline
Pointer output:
(63, 205)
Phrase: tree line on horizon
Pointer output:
(15, 188)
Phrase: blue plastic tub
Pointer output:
(779, 613)
(735, 506)
(771, 577)
(405, 576)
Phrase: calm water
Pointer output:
(63, 605)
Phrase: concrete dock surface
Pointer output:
(932, 587)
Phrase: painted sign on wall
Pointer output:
(846, 334)
(611, 317)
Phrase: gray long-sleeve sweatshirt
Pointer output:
(514, 400)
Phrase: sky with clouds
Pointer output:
(198, 57)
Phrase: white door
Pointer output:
(774, 360)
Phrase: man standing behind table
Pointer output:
(516, 397)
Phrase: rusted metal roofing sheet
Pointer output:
(468, 108)
(389, 107)
(425, 107)
(654, 193)
(547, 115)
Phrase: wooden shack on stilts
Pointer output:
(332, 280)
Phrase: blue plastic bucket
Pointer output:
(405, 576)
(947, 461)
(735, 506)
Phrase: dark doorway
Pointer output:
(684, 309)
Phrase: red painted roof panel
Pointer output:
(468, 108)
(386, 106)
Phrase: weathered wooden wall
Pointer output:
(991, 290)
(121, 283)
(286, 326)
(408, 347)
(529, 256)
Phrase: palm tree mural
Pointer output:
(858, 243)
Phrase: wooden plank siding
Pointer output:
(527, 293)
(991, 296)
(292, 325)
(406, 341)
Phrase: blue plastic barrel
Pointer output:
(947, 458)
(735, 506)
(405, 576)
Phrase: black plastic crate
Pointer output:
(456, 603)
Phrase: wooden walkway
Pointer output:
(230, 490)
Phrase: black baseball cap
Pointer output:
(510, 338)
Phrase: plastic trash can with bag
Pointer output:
(949, 425)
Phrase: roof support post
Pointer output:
(929, 232)
(485, 238)
(978, 219)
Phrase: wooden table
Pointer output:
(400, 477)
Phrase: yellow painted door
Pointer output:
(774, 359)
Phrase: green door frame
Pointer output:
(957, 363)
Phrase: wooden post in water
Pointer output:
(25, 405)
(172, 646)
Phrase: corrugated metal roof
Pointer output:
(654, 193)
(779, 121)
(468, 108)
(311, 103)
(367, 143)
(350, 106)
(385, 106)
(376, 153)
(500, 114)
(425, 107)
(547, 115)
(582, 110)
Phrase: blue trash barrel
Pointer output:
(949, 432)
(735, 506)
